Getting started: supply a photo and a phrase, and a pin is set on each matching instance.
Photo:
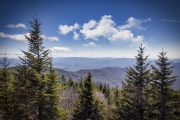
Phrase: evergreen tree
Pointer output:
(70, 83)
(39, 91)
(24, 92)
(175, 113)
(37, 60)
(6, 91)
(88, 106)
(133, 102)
(116, 96)
(63, 80)
(100, 87)
(104, 90)
(163, 80)
(81, 84)
(107, 93)
(54, 109)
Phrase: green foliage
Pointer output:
(38, 61)
(162, 81)
(54, 110)
(88, 107)
(6, 91)
(107, 92)
(133, 101)
(24, 91)
(100, 87)
(63, 80)
(36, 94)
(70, 83)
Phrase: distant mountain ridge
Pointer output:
(77, 67)
(109, 75)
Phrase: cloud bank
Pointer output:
(21, 37)
(107, 28)
(17, 37)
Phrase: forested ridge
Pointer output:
(32, 90)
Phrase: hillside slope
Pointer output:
(110, 75)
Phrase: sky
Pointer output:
(93, 28)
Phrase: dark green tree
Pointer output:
(70, 83)
(23, 91)
(88, 107)
(116, 96)
(54, 110)
(63, 80)
(133, 101)
(6, 91)
(37, 60)
(100, 87)
(163, 80)
(40, 88)
(104, 89)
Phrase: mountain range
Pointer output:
(110, 75)
(103, 70)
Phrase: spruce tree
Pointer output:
(54, 109)
(6, 91)
(163, 80)
(63, 80)
(70, 83)
(24, 91)
(37, 60)
(133, 102)
(88, 107)
(41, 90)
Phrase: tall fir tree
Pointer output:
(6, 91)
(23, 91)
(54, 110)
(38, 60)
(163, 80)
(88, 107)
(38, 89)
(133, 101)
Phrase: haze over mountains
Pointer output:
(103, 70)
(110, 75)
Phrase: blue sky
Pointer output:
(93, 28)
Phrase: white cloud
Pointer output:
(104, 28)
(76, 26)
(17, 37)
(21, 37)
(53, 38)
(61, 50)
(126, 35)
(50, 38)
(108, 29)
(64, 29)
(90, 44)
(134, 23)
(91, 24)
(76, 36)
(20, 25)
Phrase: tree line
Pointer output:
(32, 90)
